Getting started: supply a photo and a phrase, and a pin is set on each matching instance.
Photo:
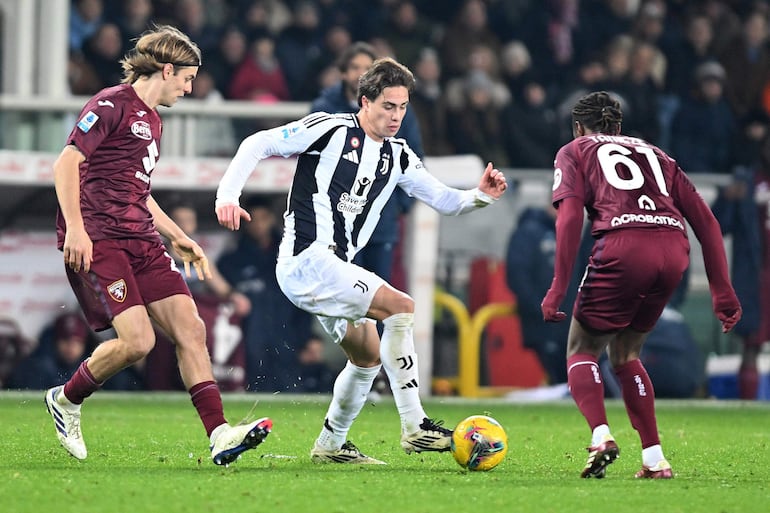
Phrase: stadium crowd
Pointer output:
(692, 75)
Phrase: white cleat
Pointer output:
(348, 453)
(431, 437)
(66, 420)
(236, 439)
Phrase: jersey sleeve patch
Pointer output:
(87, 121)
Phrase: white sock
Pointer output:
(65, 403)
(348, 398)
(652, 455)
(400, 363)
(599, 433)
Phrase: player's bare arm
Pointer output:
(78, 247)
(187, 249)
(229, 215)
(493, 182)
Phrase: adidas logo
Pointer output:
(410, 384)
(352, 156)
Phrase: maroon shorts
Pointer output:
(630, 277)
(124, 273)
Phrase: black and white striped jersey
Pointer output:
(342, 181)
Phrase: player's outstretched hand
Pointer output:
(493, 182)
(229, 215)
(729, 320)
(550, 307)
(191, 253)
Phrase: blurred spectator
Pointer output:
(81, 77)
(704, 126)
(85, 18)
(516, 68)
(259, 77)
(134, 18)
(468, 30)
(742, 209)
(191, 19)
(103, 51)
(641, 88)
(428, 103)
(746, 60)
(275, 329)
(476, 114)
(297, 46)
(214, 135)
(336, 40)
(600, 21)
(58, 355)
(408, 32)
(260, 17)
(531, 129)
(697, 48)
(14, 347)
(223, 61)
(529, 268)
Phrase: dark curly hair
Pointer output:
(599, 112)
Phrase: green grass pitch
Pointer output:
(148, 453)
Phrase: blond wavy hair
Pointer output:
(160, 45)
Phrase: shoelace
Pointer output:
(349, 446)
(75, 425)
(435, 425)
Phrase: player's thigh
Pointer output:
(133, 327)
(320, 283)
(178, 317)
(110, 287)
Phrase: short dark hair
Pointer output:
(352, 51)
(385, 72)
(599, 112)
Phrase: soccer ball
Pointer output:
(479, 443)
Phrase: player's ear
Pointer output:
(168, 70)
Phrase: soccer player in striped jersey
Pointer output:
(637, 199)
(348, 166)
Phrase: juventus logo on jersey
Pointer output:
(384, 163)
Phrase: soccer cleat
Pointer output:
(348, 453)
(237, 439)
(599, 457)
(66, 420)
(660, 471)
(432, 436)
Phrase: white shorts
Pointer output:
(337, 292)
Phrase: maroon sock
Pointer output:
(587, 389)
(208, 401)
(639, 397)
(81, 385)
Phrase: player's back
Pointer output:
(624, 182)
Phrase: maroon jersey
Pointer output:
(624, 182)
(120, 138)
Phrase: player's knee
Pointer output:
(191, 334)
(139, 347)
(403, 304)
